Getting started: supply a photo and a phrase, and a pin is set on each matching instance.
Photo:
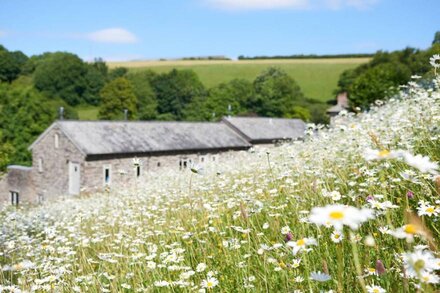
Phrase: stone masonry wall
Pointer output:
(19, 179)
(123, 171)
(52, 179)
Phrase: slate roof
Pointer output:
(266, 130)
(129, 137)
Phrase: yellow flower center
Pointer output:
(301, 242)
(336, 215)
(209, 284)
(337, 236)
(410, 229)
(375, 290)
(430, 210)
(384, 153)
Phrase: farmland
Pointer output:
(316, 77)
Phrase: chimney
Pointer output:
(61, 113)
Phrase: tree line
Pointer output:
(380, 78)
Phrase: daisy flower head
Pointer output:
(337, 236)
(372, 155)
(426, 209)
(320, 277)
(375, 289)
(209, 283)
(419, 263)
(423, 164)
(435, 61)
(301, 244)
(339, 215)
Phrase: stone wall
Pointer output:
(20, 180)
(4, 192)
(123, 171)
(51, 164)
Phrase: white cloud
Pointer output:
(112, 35)
(290, 4)
(258, 4)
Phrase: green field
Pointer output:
(317, 77)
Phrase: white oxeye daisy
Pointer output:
(285, 230)
(371, 155)
(420, 162)
(301, 244)
(320, 277)
(375, 289)
(419, 263)
(435, 61)
(209, 283)
(337, 236)
(339, 215)
(426, 209)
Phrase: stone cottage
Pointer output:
(73, 157)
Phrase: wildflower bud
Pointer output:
(437, 183)
(410, 194)
(380, 268)
(325, 267)
(289, 237)
(370, 197)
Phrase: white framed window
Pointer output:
(57, 140)
(15, 197)
(214, 158)
(158, 164)
(138, 171)
(202, 159)
(107, 174)
(40, 165)
(184, 163)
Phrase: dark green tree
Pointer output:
(11, 64)
(377, 83)
(175, 89)
(62, 75)
(25, 114)
(117, 96)
(146, 97)
(229, 98)
(276, 93)
(117, 72)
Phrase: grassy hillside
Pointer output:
(316, 77)
(350, 209)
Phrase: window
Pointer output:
(107, 174)
(202, 159)
(158, 164)
(57, 140)
(214, 158)
(15, 198)
(138, 171)
(40, 165)
(183, 163)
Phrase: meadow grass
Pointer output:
(317, 77)
(254, 222)
(87, 112)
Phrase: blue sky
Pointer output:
(151, 29)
